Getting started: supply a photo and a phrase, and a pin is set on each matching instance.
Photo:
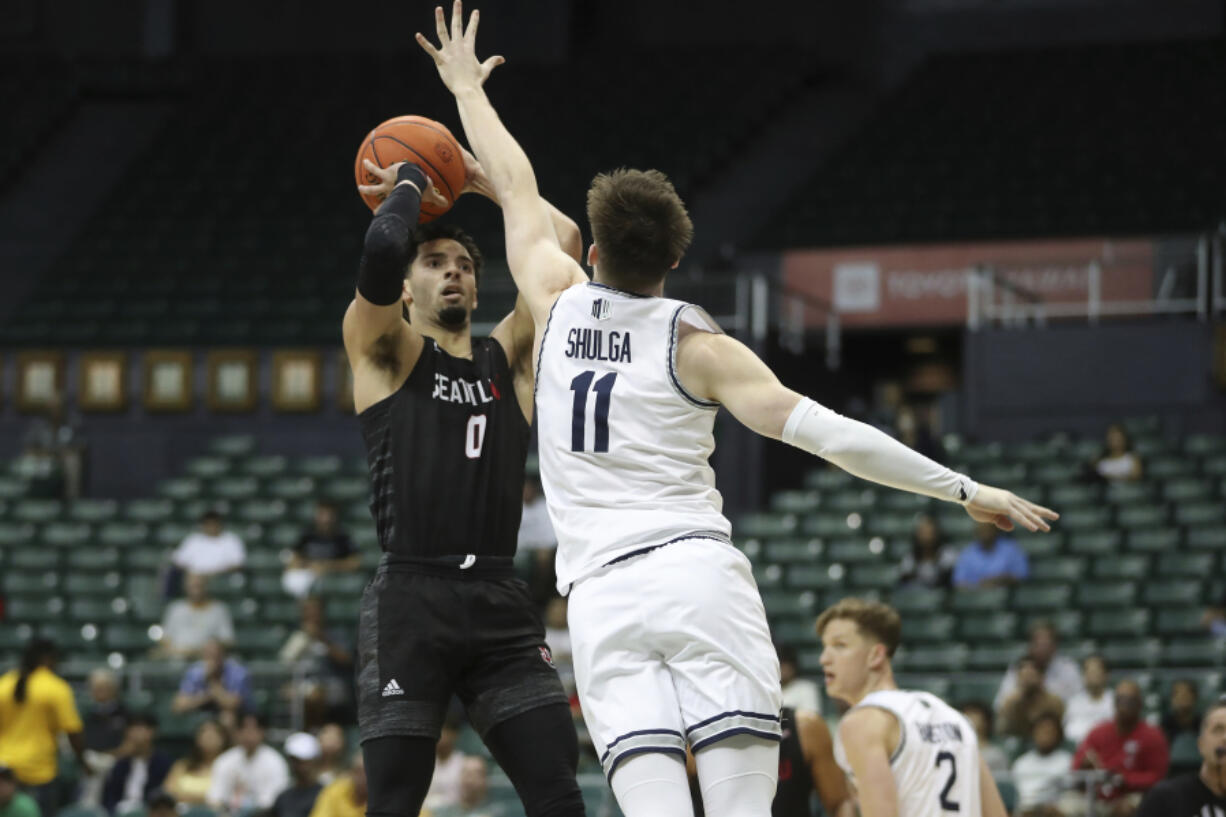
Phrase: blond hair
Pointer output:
(872, 618)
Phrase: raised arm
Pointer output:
(866, 735)
(540, 267)
(716, 367)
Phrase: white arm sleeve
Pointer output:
(865, 452)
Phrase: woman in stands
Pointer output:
(1119, 461)
(189, 779)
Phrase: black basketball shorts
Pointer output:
(427, 631)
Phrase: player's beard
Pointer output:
(453, 317)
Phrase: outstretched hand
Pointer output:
(456, 55)
(387, 182)
(1002, 508)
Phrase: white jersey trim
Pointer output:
(672, 362)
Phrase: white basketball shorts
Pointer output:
(672, 648)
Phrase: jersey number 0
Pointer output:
(578, 424)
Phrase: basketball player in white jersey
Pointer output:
(909, 754)
(669, 636)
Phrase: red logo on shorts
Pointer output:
(547, 657)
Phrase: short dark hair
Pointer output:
(982, 708)
(787, 655)
(211, 515)
(1189, 683)
(872, 618)
(1049, 716)
(142, 719)
(1096, 657)
(1220, 703)
(253, 715)
(433, 231)
(640, 226)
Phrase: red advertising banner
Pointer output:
(924, 285)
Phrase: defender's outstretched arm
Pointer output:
(717, 367)
(539, 266)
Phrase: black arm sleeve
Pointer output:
(389, 240)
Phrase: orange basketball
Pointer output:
(419, 140)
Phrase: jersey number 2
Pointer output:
(946, 803)
(474, 436)
(578, 423)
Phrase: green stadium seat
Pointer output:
(260, 510)
(1122, 567)
(1187, 490)
(1142, 516)
(994, 657)
(1006, 474)
(342, 584)
(94, 585)
(1152, 445)
(1188, 565)
(1153, 540)
(1214, 466)
(236, 488)
(949, 658)
(766, 524)
(1196, 652)
(150, 511)
(1176, 593)
(797, 502)
(903, 502)
(987, 600)
(123, 534)
(1125, 493)
(1201, 444)
(1095, 542)
(825, 524)
(957, 525)
(96, 559)
(1057, 473)
(1096, 595)
(12, 487)
(908, 600)
(67, 534)
(1060, 569)
(938, 685)
(815, 577)
(1029, 597)
(170, 534)
(1067, 623)
(181, 488)
(93, 510)
(366, 538)
(1118, 623)
(928, 629)
(350, 489)
(980, 690)
(233, 445)
(852, 499)
(287, 611)
(878, 577)
(319, 467)
(1201, 513)
(1166, 468)
(97, 610)
(207, 467)
(291, 488)
(1086, 519)
(33, 558)
(882, 523)
(1207, 538)
(828, 479)
(1064, 497)
(784, 550)
(15, 583)
(15, 534)
(145, 559)
(1179, 621)
(1132, 654)
(264, 560)
(854, 550)
(265, 586)
(260, 640)
(264, 466)
(36, 510)
(796, 631)
(34, 608)
(987, 626)
(80, 811)
(1043, 545)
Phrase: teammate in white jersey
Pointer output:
(909, 754)
(669, 637)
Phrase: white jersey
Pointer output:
(936, 764)
(623, 448)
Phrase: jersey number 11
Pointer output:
(578, 424)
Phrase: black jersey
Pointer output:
(1183, 796)
(794, 793)
(446, 454)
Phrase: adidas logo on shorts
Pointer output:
(392, 689)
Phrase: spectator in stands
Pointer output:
(140, 770)
(325, 663)
(1182, 719)
(1093, 705)
(347, 796)
(302, 750)
(1215, 619)
(54, 455)
(1133, 753)
(105, 720)
(13, 801)
(1040, 774)
(323, 548)
(1060, 673)
(36, 707)
(210, 550)
(161, 804)
(798, 693)
(216, 684)
(40, 469)
(990, 561)
(1203, 792)
(474, 792)
(250, 775)
(190, 777)
(980, 716)
(1118, 462)
(557, 638)
(448, 763)
(537, 540)
(1028, 702)
(192, 622)
(931, 562)
(915, 432)
(332, 760)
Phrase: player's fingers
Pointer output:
(457, 20)
(1032, 519)
(489, 65)
(470, 33)
(440, 26)
(372, 190)
(427, 46)
(1004, 523)
(373, 168)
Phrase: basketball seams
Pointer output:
(436, 137)
(442, 178)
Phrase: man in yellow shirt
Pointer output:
(347, 796)
(36, 705)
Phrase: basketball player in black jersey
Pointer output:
(445, 418)
(806, 766)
